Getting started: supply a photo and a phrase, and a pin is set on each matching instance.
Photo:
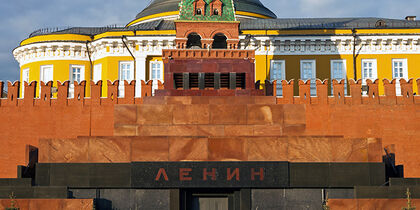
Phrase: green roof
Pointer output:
(187, 11)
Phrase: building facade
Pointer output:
(285, 49)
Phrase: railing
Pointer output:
(75, 30)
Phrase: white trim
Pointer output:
(41, 75)
(25, 78)
(155, 80)
(161, 69)
(343, 77)
(404, 66)
(71, 79)
(313, 74)
(97, 72)
(282, 72)
(121, 87)
(372, 77)
(42, 69)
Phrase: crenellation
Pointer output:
(63, 90)
(79, 93)
(338, 91)
(29, 95)
(407, 94)
(112, 92)
(304, 96)
(373, 93)
(322, 91)
(288, 95)
(12, 93)
(46, 93)
(304, 92)
(355, 91)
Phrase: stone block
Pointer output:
(150, 199)
(239, 130)
(349, 150)
(191, 114)
(151, 114)
(188, 149)
(309, 149)
(125, 114)
(309, 175)
(210, 130)
(115, 175)
(66, 150)
(228, 114)
(268, 130)
(267, 149)
(294, 114)
(125, 130)
(260, 115)
(227, 149)
(150, 149)
(109, 150)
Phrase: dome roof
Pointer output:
(160, 6)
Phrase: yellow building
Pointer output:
(330, 48)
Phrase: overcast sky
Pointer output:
(19, 18)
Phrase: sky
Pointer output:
(19, 18)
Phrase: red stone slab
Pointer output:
(228, 114)
(188, 149)
(109, 150)
(228, 149)
(145, 149)
(267, 149)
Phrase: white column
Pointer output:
(140, 73)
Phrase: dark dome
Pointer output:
(159, 6)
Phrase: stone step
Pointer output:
(210, 114)
(150, 149)
(210, 100)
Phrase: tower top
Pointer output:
(207, 10)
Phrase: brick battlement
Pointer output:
(199, 54)
(355, 96)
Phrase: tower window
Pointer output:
(198, 12)
(216, 12)
(220, 41)
(194, 41)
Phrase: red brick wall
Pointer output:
(25, 121)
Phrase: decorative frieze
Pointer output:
(263, 45)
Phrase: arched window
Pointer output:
(216, 12)
(219, 41)
(198, 12)
(194, 41)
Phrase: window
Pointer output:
(339, 72)
(369, 71)
(47, 73)
(216, 12)
(77, 74)
(277, 72)
(198, 12)
(25, 78)
(399, 71)
(156, 70)
(308, 72)
(126, 72)
(156, 73)
(97, 73)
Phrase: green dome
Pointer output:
(160, 6)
